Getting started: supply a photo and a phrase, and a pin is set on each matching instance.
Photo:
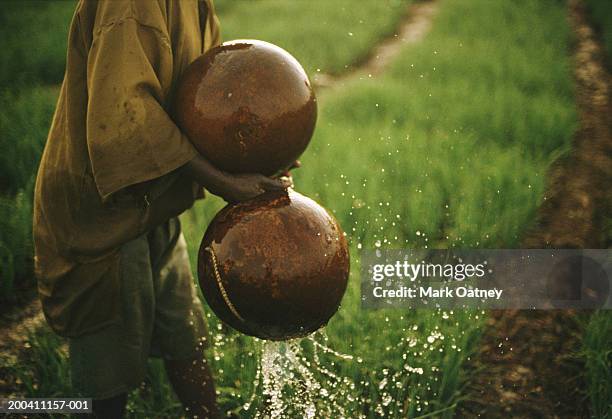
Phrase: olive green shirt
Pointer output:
(110, 168)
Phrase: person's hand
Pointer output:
(238, 188)
(234, 188)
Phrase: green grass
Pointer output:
(42, 370)
(323, 35)
(15, 242)
(456, 139)
(24, 121)
(33, 53)
(597, 356)
(48, 371)
(600, 12)
(34, 37)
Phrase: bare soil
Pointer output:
(14, 327)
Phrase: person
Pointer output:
(111, 262)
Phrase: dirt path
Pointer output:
(15, 322)
(26, 318)
(14, 327)
(579, 195)
(413, 28)
(525, 367)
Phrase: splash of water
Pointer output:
(293, 381)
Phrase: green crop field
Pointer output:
(326, 36)
(450, 147)
(597, 354)
(33, 55)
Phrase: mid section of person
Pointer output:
(110, 259)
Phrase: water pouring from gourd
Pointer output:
(275, 267)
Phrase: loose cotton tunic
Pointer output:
(110, 170)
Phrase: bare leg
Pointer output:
(110, 408)
(194, 386)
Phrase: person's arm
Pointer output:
(232, 188)
(131, 138)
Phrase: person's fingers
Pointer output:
(270, 184)
(287, 181)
